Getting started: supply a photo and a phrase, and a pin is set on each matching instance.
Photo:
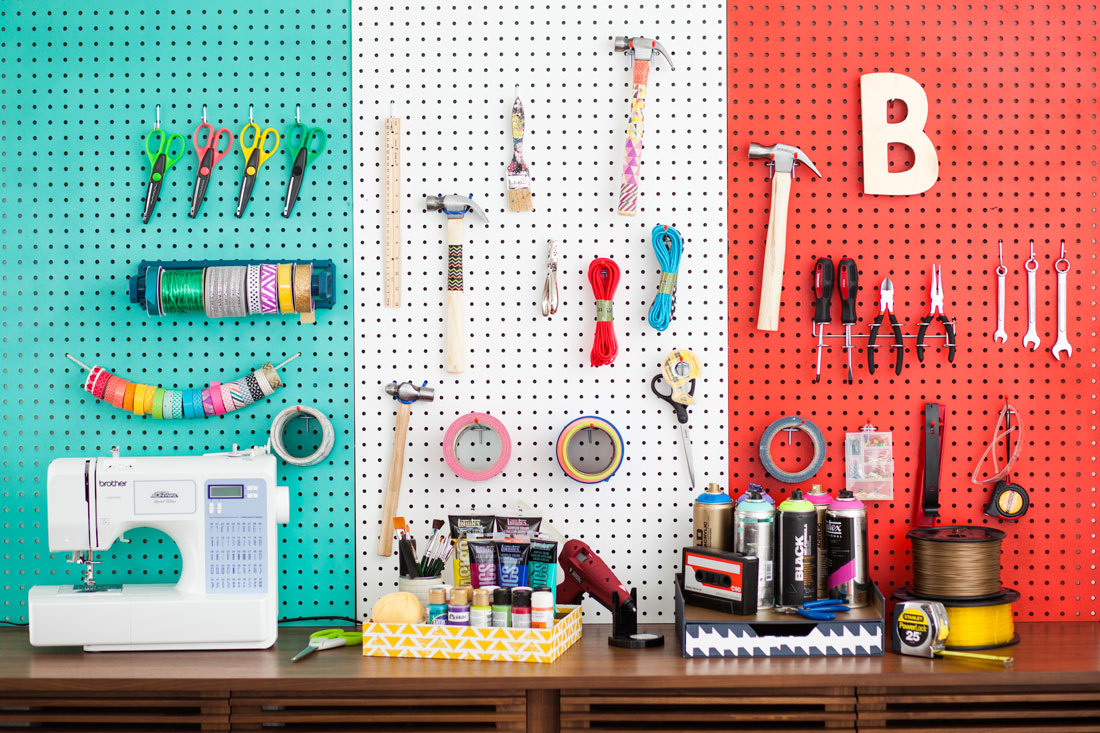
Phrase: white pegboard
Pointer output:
(451, 72)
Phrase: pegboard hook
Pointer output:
(298, 113)
(250, 114)
(204, 114)
(156, 126)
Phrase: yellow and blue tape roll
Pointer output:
(589, 422)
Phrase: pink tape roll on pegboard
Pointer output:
(454, 434)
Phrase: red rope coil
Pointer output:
(604, 274)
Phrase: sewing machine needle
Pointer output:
(685, 438)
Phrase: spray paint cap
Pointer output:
(845, 499)
(796, 503)
(714, 494)
(756, 487)
(817, 495)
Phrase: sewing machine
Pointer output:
(221, 510)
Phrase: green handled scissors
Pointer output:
(329, 639)
(160, 160)
(306, 144)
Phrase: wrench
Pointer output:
(1031, 338)
(1000, 335)
(1061, 267)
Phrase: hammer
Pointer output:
(405, 393)
(784, 158)
(455, 207)
(641, 51)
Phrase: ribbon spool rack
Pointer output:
(235, 288)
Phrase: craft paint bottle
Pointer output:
(754, 535)
(846, 551)
(521, 608)
(437, 606)
(542, 609)
(795, 552)
(458, 609)
(712, 519)
(821, 501)
(502, 608)
(481, 614)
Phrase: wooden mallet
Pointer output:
(405, 393)
(784, 158)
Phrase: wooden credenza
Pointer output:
(1054, 686)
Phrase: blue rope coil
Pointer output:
(668, 245)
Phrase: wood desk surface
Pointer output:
(1049, 653)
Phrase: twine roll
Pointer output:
(956, 562)
(603, 275)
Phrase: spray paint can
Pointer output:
(712, 519)
(846, 550)
(821, 501)
(795, 552)
(754, 535)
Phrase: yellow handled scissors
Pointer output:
(255, 155)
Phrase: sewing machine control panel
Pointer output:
(236, 536)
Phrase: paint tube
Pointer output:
(475, 526)
(543, 566)
(512, 556)
(524, 527)
(483, 562)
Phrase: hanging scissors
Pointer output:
(209, 155)
(255, 155)
(306, 144)
(328, 639)
(666, 392)
(160, 161)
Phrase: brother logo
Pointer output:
(112, 483)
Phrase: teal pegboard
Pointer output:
(80, 87)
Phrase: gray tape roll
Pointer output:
(817, 438)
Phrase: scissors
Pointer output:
(825, 609)
(160, 161)
(667, 393)
(255, 155)
(302, 140)
(209, 155)
(329, 639)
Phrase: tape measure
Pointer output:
(1008, 501)
(921, 629)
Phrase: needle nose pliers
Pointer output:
(935, 296)
(886, 307)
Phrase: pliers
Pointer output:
(935, 296)
(886, 307)
(825, 609)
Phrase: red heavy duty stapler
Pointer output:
(586, 573)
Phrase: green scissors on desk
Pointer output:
(160, 161)
(329, 639)
(305, 145)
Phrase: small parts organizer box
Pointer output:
(488, 644)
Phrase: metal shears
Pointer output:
(676, 386)
(255, 155)
(160, 161)
(306, 144)
(329, 639)
(824, 609)
(209, 155)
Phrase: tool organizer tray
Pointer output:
(706, 633)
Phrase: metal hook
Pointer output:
(1000, 253)
(204, 114)
(157, 125)
(391, 108)
(517, 90)
(250, 114)
(298, 113)
(1063, 255)
(1033, 249)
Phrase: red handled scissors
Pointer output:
(209, 155)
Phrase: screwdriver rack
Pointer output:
(818, 331)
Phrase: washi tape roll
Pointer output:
(568, 465)
(459, 430)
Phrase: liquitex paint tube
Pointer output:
(542, 566)
(712, 519)
(846, 537)
(461, 526)
(754, 536)
(795, 552)
(821, 501)
(512, 557)
(483, 562)
(525, 527)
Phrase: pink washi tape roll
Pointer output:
(216, 398)
(461, 429)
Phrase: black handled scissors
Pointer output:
(681, 417)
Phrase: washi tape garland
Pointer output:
(590, 422)
(458, 431)
(169, 404)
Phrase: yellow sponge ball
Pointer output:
(397, 608)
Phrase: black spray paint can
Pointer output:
(795, 552)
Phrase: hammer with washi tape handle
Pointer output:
(406, 394)
(641, 51)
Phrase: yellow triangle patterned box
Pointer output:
(425, 641)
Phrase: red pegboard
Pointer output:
(1013, 112)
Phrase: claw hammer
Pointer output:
(405, 393)
(455, 207)
(783, 160)
(641, 51)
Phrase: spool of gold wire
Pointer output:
(977, 624)
(956, 562)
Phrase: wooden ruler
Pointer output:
(393, 212)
